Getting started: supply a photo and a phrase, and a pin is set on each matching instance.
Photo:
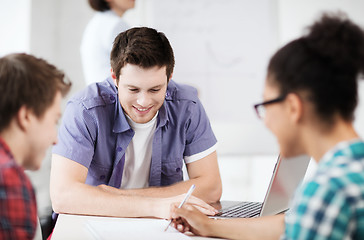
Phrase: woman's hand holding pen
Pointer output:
(190, 219)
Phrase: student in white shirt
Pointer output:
(99, 36)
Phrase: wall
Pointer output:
(15, 37)
(56, 31)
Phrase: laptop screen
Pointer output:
(288, 174)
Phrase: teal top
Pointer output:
(331, 204)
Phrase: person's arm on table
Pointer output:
(70, 194)
(190, 219)
(204, 173)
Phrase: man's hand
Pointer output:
(165, 205)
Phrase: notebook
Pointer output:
(287, 175)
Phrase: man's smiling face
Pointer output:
(142, 91)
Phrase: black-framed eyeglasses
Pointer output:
(260, 107)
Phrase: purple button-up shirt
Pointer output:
(95, 133)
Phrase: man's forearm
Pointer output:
(89, 200)
(107, 201)
(204, 190)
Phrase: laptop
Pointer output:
(287, 175)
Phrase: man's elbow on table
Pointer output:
(207, 178)
(215, 192)
(66, 182)
(59, 203)
(210, 191)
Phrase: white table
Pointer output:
(243, 178)
(77, 227)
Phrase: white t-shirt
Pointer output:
(97, 42)
(138, 155)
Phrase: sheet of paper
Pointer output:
(132, 228)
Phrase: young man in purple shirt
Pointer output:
(123, 141)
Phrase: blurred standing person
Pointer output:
(99, 36)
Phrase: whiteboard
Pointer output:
(222, 48)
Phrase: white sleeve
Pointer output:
(200, 155)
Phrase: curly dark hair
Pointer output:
(325, 63)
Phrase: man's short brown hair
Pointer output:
(143, 47)
(28, 81)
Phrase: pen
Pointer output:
(183, 201)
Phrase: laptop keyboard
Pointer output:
(243, 210)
